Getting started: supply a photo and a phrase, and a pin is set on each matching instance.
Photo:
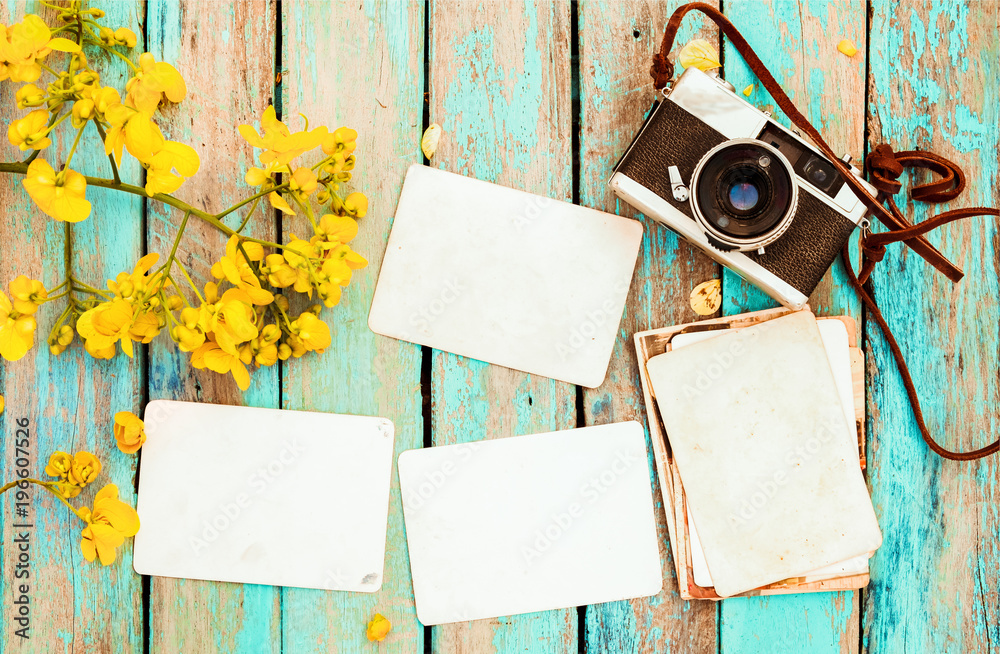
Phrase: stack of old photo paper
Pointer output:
(756, 427)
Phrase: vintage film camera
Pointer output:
(753, 195)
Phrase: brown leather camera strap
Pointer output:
(885, 167)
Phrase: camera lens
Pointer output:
(744, 193)
(819, 172)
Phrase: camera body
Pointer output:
(753, 195)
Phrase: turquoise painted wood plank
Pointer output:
(225, 51)
(797, 41)
(69, 400)
(500, 88)
(361, 65)
(617, 40)
(934, 80)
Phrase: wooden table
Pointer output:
(544, 97)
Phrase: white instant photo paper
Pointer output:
(262, 496)
(504, 276)
(530, 523)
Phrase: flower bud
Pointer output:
(125, 36)
(29, 95)
(175, 302)
(83, 110)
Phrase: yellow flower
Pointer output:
(134, 130)
(27, 43)
(190, 334)
(110, 523)
(156, 82)
(27, 294)
(231, 320)
(309, 332)
(260, 176)
(378, 628)
(59, 465)
(343, 139)
(130, 432)
(61, 340)
(279, 273)
(83, 110)
(105, 325)
(280, 145)
(84, 469)
(303, 181)
(125, 36)
(265, 347)
(29, 95)
(30, 132)
(212, 356)
(235, 268)
(17, 331)
(3, 405)
(339, 229)
(173, 156)
(62, 195)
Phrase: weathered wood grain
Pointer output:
(617, 41)
(798, 42)
(69, 400)
(500, 88)
(934, 83)
(361, 65)
(225, 51)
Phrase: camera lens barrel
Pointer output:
(744, 194)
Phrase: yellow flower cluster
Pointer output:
(242, 319)
(78, 95)
(72, 472)
(134, 313)
(110, 521)
(17, 317)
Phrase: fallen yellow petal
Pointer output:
(748, 90)
(706, 298)
(2, 404)
(429, 143)
(378, 628)
(847, 47)
(700, 54)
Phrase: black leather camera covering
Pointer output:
(674, 137)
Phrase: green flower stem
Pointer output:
(246, 220)
(21, 168)
(177, 241)
(247, 201)
(76, 142)
(49, 486)
(111, 157)
(180, 266)
(128, 61)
